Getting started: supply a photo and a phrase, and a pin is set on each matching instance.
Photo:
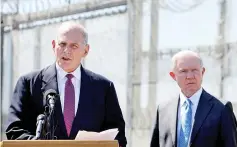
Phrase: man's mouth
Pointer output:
(65, 59)
(190, 83)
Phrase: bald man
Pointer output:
(88, 101)
(196, 118)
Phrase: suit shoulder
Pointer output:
(165, 105)
(97, 77)
(221, 103)
(33, 75)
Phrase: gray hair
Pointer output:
(84, 35)
(75, 25)
(182, 53)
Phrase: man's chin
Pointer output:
(66, 68)
(191, 92)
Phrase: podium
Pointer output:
(58, 143)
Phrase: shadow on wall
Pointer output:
(3, 125)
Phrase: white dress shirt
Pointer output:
(195, 100)
(76, 81)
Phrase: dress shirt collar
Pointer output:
(62, 74)
(194, 98)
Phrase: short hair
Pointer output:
(75, 25)
(185, 52)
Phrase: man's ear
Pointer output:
(86, 51)
(203, 70)
(53, 43)
(172, 74)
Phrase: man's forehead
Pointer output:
(69, 33)
(69, 38)
(67, 41)
(68, 27)
(188, 64)
(72, 30)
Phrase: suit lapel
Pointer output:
(49, 81)
(203, 109)
(84, 99)
(173, 119)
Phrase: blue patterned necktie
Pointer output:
(186, 123)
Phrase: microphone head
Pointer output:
(47, 94)
(41, 117)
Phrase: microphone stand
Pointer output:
(47, 123)
(40, 127)
(50, 128)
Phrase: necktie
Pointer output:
(186, 123)
(69, 103)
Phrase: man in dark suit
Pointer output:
(196, 118)
(88, 101)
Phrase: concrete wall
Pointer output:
(27, 50)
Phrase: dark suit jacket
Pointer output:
(98, 107)
(215, 124)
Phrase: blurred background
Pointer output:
(132, 42)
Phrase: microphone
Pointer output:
(40, 123)
(50, 97)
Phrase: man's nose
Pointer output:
(190, 75)
(67, 49)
